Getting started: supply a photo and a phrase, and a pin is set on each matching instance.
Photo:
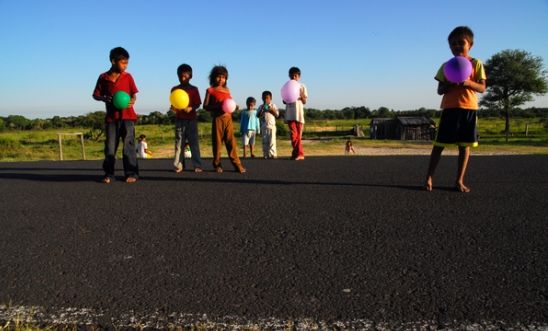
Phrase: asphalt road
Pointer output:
(335, 239)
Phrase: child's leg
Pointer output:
(300, 150)
(434, 160)
(252, 135)
(231, 146)
(194, 141)
(272, 143)
(131, 168)
(266, 146)
(179, 140)
(244, 142)
(216, 141)
(111, 146)
(464, 156)
(294, 137)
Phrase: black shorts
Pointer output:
(457, 127)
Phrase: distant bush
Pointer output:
(95, 120)
(281, 129)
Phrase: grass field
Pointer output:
(324, 137)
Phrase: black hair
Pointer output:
(141, 137)
(184, 68)
(250, 100)
(293, 71)
(217, 71)
(118, 53)
(462, 31)
(265, 93)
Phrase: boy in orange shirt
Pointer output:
(459, 107)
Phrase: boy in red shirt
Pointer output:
(119, 123)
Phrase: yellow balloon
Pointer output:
(179, 99)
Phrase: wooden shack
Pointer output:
(403, 128)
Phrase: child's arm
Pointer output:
(104, 98)
(132, 100)
(476, 86)
(98, 93)
(304, 95)
(274, 110)
(206, 103)
(444, 87)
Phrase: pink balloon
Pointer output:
(229, 105)
(291, 91)
(457, 69)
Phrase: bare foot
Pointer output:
(107, 180)
(428, 184)
(460, 187)
(131, 180)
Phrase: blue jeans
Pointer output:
(126, 131)
(186, 130)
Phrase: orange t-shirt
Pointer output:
(459, 96)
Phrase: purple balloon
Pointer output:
(457, 69)
(291, 91)
(229, 106)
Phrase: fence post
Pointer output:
(83, 149)
(60, 146)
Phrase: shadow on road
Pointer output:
(97, 178)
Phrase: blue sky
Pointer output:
(351, 52)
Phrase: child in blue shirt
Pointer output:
(249, 125)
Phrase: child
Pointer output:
(186, 123)
(187, 153)
(119, 123)
(459, 105)
(268, 113)
(222, 128)
(294, 117)
(142, 148)
(349, 149)
(249, 125)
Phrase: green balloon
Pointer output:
(120, 100)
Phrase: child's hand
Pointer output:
(187, 109)
(131, 102)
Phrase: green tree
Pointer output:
(95, 122)
(513, 77)
(19, 122)
(383, 112)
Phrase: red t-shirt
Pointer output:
(194, 101)
(216, 98)
(106, 87)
